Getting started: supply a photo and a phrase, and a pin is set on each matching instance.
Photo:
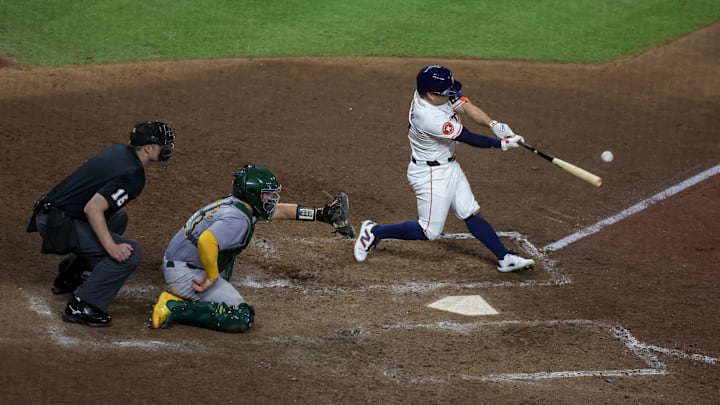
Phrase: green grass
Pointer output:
(60, 32)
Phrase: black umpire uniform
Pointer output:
(117, 174)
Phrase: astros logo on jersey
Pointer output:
(447, 128)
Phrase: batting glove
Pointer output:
(501, 130)
(511, 142)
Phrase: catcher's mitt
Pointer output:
(336, 213)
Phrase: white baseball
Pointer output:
(607, 156)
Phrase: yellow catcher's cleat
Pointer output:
(161, 311)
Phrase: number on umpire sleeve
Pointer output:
(120, 197)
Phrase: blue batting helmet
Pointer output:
(438, 79)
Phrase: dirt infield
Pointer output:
(625, 314)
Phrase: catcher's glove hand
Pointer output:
(336, 213)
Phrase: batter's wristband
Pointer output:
(305, 213)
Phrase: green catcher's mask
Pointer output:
(249, 185)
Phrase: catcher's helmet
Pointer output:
(154, 132)
(250, 183)
(438, 79)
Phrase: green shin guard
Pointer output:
(212, 315)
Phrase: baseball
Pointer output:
(607, 156)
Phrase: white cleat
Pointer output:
(365, 240)
(513, 262)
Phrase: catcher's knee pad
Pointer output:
(212, 315)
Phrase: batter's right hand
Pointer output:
(511, 142)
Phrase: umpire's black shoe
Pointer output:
(79, 311)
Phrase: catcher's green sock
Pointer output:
(212, 315)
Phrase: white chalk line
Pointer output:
(632, 210)
(642, 351)
(57, 332)
(569, 374)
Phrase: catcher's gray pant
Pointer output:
(108, 275)
(180, 275)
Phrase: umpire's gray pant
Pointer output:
(108, 275)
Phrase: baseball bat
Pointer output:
(568, 167)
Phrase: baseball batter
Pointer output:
(199, 260)
(434, 173)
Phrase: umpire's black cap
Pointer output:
(151, 132)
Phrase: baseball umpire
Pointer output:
(82, 218)
(435, 175)
(199, 259)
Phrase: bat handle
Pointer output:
(536, 151)
(526, 146)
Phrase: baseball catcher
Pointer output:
(199, 260)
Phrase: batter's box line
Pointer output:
(59, 334)
(556, 278)
(642, 205)
(641, 350)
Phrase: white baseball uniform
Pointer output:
(436, 177)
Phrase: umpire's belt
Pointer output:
(431, 162)
(171, 263)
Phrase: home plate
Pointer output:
(465, 305)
